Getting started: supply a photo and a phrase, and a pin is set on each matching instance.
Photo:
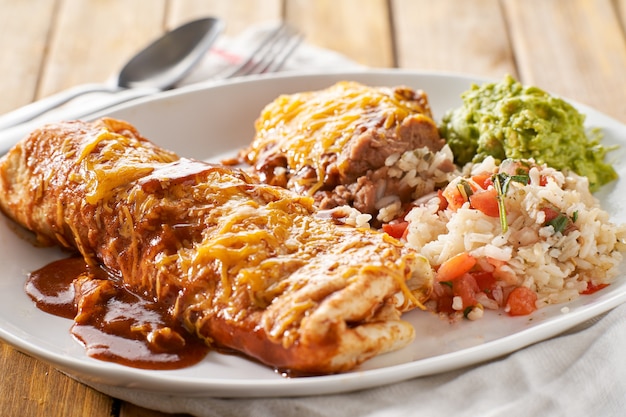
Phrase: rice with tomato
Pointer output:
(517, 237)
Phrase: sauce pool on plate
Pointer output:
(113, 323)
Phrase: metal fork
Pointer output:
(270, 54)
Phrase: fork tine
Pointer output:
(276, 62)
(271, 53)
(261, 48)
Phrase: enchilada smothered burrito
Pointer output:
(241, 265)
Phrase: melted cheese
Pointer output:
(247, 265)
(307, 125)
(216, 240)
(111, 160)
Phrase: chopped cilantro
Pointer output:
(501, 182)
(559, 223)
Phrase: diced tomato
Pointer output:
(442, 294)
(466, 287)
(456, 266)
(443, 203)
(486, 202)
(483, 179)
(591, 288)
(550, 213)
(458, 191)
(453, 196)
(485, 280)
(396, 229)
(444, 304)
(521, 301)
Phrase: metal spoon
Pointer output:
(159, 66)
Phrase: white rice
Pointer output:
(422, 170)
(557, 266)
(347, 215)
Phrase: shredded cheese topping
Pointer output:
(217, 241)
(307, 125)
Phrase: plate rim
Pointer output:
(321, 385)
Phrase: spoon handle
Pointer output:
(37, 108)
(13, 134)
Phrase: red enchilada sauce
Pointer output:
(113, 323)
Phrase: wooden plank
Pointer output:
(21, 57)
(110, 33)
(575, 48)
(467, 36)
(46, 392)
(620, 6)
(238, 15)
(359, 29)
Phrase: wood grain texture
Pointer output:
(620, 9)
(467, 36)
(574, 48)
(30, 388)
(21, 57)
(110, 33)
(359, 29)
(238, 15)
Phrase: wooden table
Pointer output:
(575, 48)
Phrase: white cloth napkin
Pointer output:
(229, 51)
(581, 373)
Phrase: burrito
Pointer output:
(241, 265)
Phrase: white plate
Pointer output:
(208, 121)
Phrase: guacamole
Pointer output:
(509, 120)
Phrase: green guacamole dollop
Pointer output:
(510, 120)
